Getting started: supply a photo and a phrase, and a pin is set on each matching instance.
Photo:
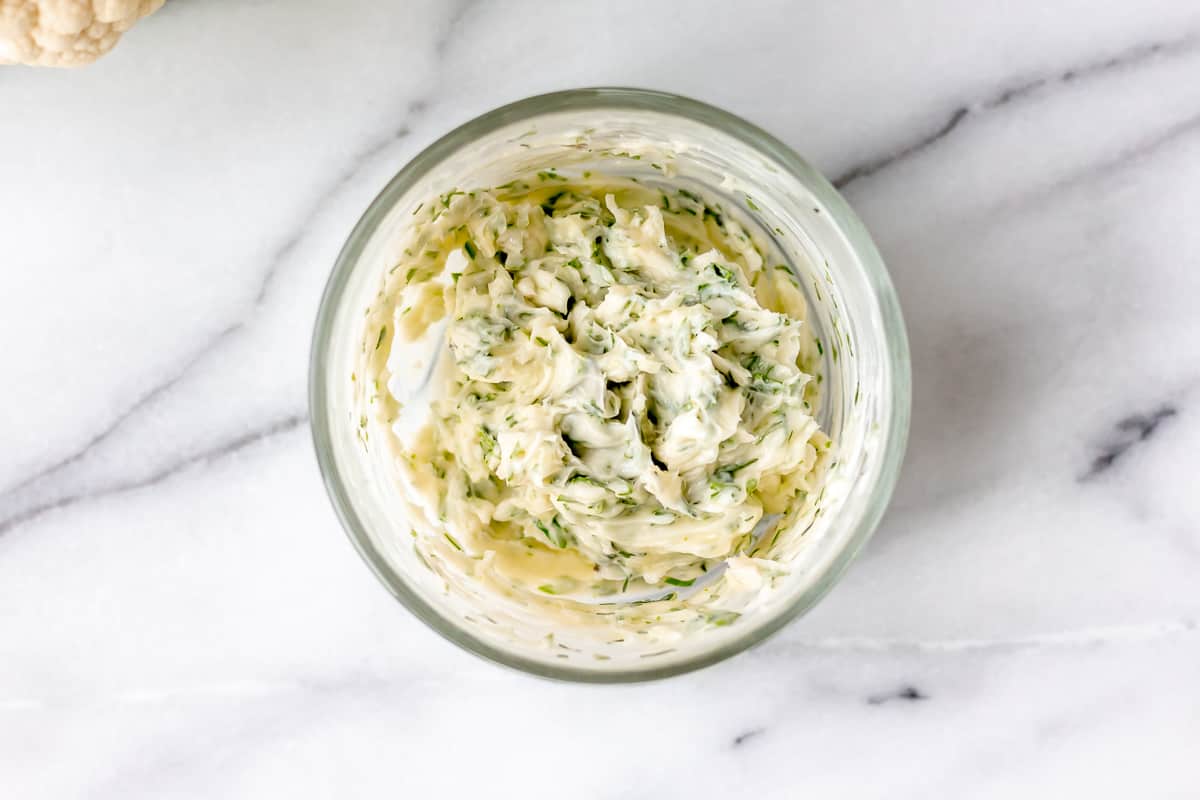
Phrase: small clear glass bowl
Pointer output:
(852, 305)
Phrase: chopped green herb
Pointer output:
(585, 479)
(736, 468)
(723, 618)
(487, 442)
(556, 536)
(725, 273)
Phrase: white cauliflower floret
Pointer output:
(65, 33)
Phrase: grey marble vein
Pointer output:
(454, 23)
(208, 455)
(746, 736)
(214, 345)
(343, 179)
(905, 694)
(870, 167)
(136, 406)
(1148, 147)
(1129, 432)
(1134, 56)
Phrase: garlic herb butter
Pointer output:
(620, 442)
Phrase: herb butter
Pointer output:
(621, 440)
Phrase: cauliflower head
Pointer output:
(65, 33)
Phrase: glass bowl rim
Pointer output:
(894, 417)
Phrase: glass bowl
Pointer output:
(853, 308)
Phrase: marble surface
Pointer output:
(180, 615)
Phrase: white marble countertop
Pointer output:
(181, 616)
